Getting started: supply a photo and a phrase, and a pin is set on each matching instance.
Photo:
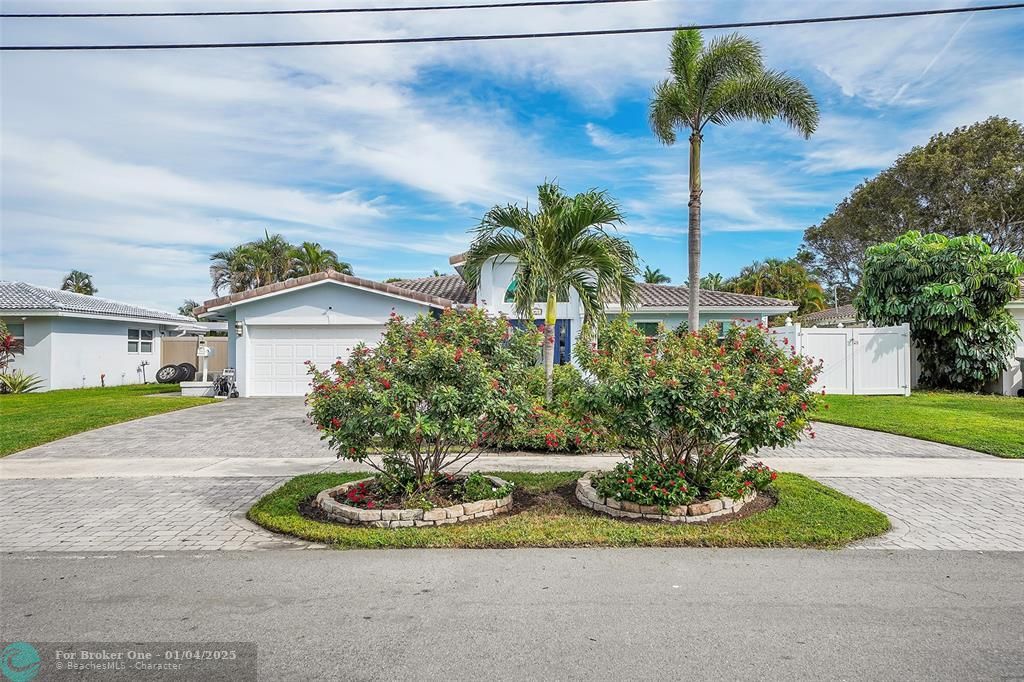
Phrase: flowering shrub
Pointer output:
(646, 481)
(431, 394)
(564, 424)
(698, 402)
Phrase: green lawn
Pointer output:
(808, 515)
(31, 419)
(987, 423)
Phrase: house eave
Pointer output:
(436, 302)
(53, 312)
(761, 310)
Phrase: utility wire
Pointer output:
(511, 36)
(329, 10)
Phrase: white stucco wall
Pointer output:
(36, 359)
(1012, 380)
(83, 349)
(673, 320)
(72, 352)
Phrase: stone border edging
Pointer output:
(404, 518)
(691, 513)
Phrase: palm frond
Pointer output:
(684, 53)
(766, 97)
(726, 58)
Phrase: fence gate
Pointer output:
(855, 360)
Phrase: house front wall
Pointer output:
(673, 320)
(1012, 379)
(300, 321)
(73, 352)
(36, 358)
(84, 349)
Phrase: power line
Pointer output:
(511, 36)
(329, 10)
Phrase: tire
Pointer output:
(169, 374)
(190, 371)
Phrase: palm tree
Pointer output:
(718, 83)
(78, 282)
(777, 278)
(712, 281)
(655, 276)
(188, 308)
(263, 261)
(310, 258)
(566, 245)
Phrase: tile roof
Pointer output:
(668, 296)
(24, 296)
(368, 284)
(843, 312)
(452, 287)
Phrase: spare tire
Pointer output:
(169, 374)
(189, 371)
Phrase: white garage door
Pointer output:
(279, 354)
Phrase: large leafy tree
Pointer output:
(309, 258)
(78, 282)
(188, 308)
(267, 260)
(787, 279)
(953, 292)
(565, 245)
(969, 181)
(713, 281)
(655, 276)
(718, 83)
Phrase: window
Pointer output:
(140, 340)
(648, 329)
(510, 294)
(18, 332)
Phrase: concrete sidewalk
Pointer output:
(258, 467)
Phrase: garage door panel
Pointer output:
(280, 352)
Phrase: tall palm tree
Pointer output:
(565, 245)
(718, 83)
(655, 276)
(712, 281)
(78, 282)
(311, 257)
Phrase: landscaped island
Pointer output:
(421, 406)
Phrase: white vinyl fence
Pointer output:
(856, 360)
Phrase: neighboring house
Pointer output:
(845, 315)
(69, 340)
(274, 329)
(1012, 380)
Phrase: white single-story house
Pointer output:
(845, 315)
(70, 340)
(273, 330)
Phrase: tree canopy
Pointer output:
(776, 278)
(78, 282)
(267, 260)
(969, 181)
(953, 292)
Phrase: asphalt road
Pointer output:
(545, 614)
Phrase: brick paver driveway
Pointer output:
(226, 451)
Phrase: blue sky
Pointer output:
(136, 166)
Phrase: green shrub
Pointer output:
(953, 292)
(695, 403)
(431, 394)
(19, 382)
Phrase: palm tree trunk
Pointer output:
(550, 318)
(693, 233)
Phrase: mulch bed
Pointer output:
(563, 496)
